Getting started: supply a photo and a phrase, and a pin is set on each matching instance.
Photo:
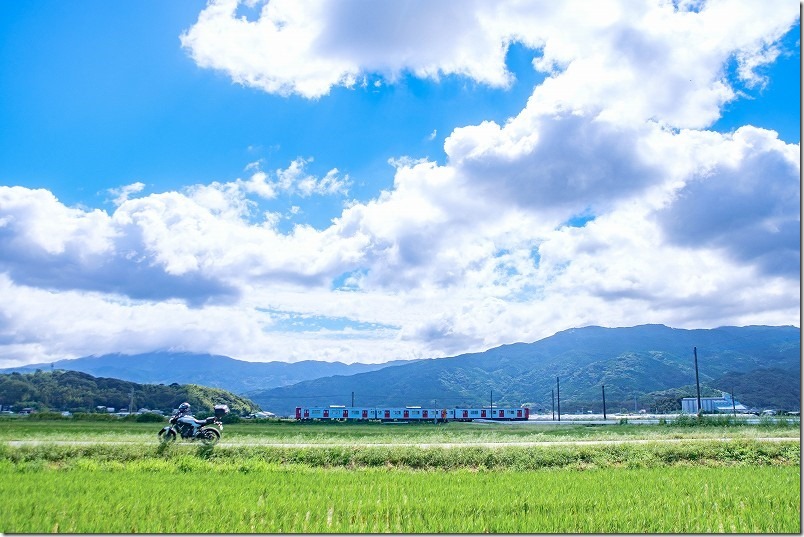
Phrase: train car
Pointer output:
(469, 414)
(355, 413)
(510, 414)
(312, 413)
(335, 412)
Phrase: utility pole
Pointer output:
(697, 383)
(491, 401)
(553, 408)
(733, 404)
(353, 399)
(558, 397)
(604, 400)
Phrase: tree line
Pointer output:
(79, 392)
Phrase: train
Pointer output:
(411, 413)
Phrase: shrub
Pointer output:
(93, 416)
(149, 417)
(231, 417)
(46, 416)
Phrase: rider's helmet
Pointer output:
(184, 408)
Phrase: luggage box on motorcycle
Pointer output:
(221, 410)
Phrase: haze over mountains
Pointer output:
(641, 365)
(215, 371)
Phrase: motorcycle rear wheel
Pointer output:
(164, 438)
(210, 436)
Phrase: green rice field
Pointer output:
(280, 432)
(68, 477)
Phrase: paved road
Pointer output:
(424, 445)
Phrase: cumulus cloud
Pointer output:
(748, 205)
(124, 192)
(45, 244)
(294, 180)
(625, 60)
(308, 47)
(566, 161)
(679, 225)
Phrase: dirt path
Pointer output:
(423, 445)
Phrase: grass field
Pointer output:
(376, 433)
(120, 480)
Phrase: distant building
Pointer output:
(722, 404)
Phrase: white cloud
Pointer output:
(625, 60)
(293, 180)
(124, 192)
(747, 204)
(599, 203)
(307, 47)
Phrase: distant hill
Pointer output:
(80, 392)
(631, 362)
(205, 369)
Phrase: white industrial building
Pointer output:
(722, 404)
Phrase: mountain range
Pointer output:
(215, 371)
(647, 366)
(637, 366)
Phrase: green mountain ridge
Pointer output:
(631, 362)
(80, 392)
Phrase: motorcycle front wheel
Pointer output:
(210, 436)
(165, 437)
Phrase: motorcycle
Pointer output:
(207, 430)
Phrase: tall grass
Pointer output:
(374, 433)
(650, 455)
(190, 497)
(351, 484)
(726, 420)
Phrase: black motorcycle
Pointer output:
(206, 430)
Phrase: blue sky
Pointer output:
(418, 179)
(109, 97)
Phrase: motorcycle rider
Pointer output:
(183, 410)
(183, 415)
(183, 423)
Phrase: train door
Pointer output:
(387, 415)
(424, 414)
(326, 413)
(298, 413)
(406, 414)
(345, 413)
(364, 414)
(482, 413)
(306, 413)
